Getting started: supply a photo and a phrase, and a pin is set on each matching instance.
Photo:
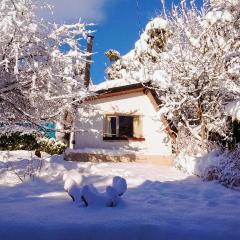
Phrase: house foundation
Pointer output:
(97, 158)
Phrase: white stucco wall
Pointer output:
(90, 123)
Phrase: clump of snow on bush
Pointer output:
(233, 109)
(161, 80)
(158, 23)
(51, 145)
(92, 197)
(214, 16)
(88, 195)
(120, 185)
(196, 165)
(230, 168)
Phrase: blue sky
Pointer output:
(117, 24)
(120, 29)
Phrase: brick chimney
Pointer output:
(88, 59)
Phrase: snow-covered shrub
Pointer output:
(18, 141)
(230, 168)
(51, 145)
(223, 166)
(20, 137)
(212, 173)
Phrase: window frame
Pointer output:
(106, 135)
(105, 132)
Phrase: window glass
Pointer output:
(125, 126)
(111, 126)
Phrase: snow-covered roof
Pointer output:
(233, 109)
(110, 84)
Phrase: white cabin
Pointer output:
(121, 124)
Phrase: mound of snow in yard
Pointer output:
(160, 203)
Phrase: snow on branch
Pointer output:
(41, 64)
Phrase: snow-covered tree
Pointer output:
(202, 64)
(139, 62)
(41, 64)
(192, 58)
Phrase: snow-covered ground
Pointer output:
(160, 203)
